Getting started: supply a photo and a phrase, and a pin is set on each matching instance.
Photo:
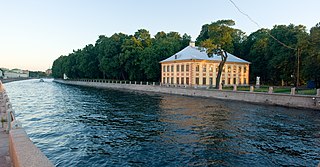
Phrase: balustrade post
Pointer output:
(293, 91)
(234, 87)
(8, 120)
(270, 90)
(251, 88)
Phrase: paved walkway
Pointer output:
(4, 137)
(4, 149)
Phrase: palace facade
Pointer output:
(192, 66)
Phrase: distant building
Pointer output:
(48, 72)
(192, 66)
(15, 73)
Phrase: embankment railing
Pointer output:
(7, 110)
(269, 90)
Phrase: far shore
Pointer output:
(13, 79)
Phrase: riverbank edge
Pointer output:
(23, 152)
(13, 80)
(286, 100)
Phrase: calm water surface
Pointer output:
(79, 126)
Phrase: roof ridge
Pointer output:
(198, 53)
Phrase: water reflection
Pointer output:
(77, 126)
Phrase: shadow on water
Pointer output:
(79, 126)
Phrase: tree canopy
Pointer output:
(218, 38)
(121, 56)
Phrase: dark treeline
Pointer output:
(123, 57)
(137, 56)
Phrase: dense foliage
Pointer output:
(121, 56)
(219, 37)
(137, 56)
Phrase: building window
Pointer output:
(204, 81)
(178, 67)
(187, 67)
(197, 81)
(239, 70)
(187, 80)
(172, 68)
(168, 69)
(182, 80)
(223, 70)
(178, 80)
(245, 81)
(229, 81)
(234, 81)
(204, 68)
(171, 80)
(182, 68)
(211, 68)
(164, 79)
(245, 69)
(229, 69)
(164, 68)
(197, 68)
(234, 69)
(168, 80)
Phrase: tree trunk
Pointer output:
(224, 57)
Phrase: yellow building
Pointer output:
(192, 66)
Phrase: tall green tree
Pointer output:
(57, 67)
(283, 58)
(219, 37)
(109, 50)
(255, 50)
(88, 64)
(163, 46)
(222, 35)
(311, 62)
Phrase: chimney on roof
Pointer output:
(192, 44)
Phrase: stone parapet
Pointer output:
(24, 153)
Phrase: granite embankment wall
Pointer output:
(296, 101)
(23, 152)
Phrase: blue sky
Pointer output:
(34, 33)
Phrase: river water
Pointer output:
(80, 126)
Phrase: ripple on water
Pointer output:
(78, 126)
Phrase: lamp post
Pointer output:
(298, 65)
